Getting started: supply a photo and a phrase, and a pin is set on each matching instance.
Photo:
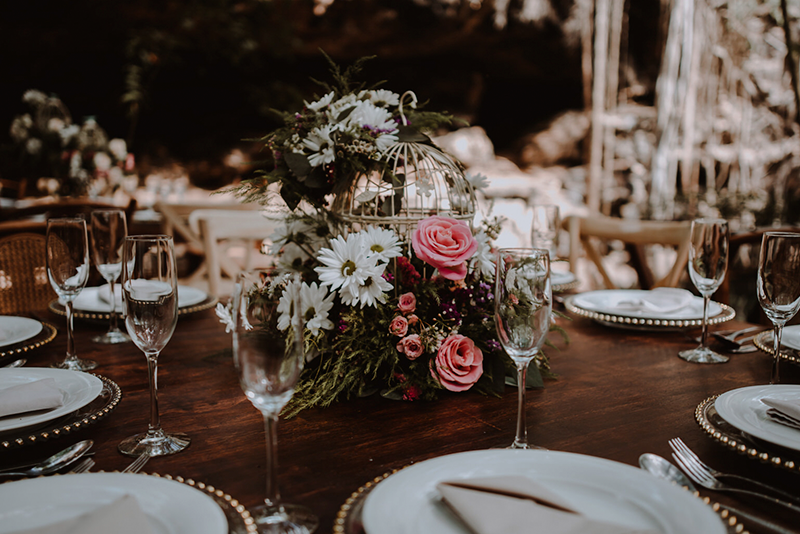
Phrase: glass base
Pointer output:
(702, 355)
(112, 337)
(528, 446)
(156, 444)
(76, 364)
(284, 519)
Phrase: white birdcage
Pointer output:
(419, 180)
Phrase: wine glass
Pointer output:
(150, 299)
(109, 229)
(269, 356)
(545, 227)
(522, 307)
(708, 261)
(778, 285)
(68, 270)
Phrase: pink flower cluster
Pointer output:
(410, 345)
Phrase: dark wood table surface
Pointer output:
(619, 394)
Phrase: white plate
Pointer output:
(743, 409)
(78, 390)
(679, 303)
(16, 329)
(790, 337)
(171, 507)
(558, 278)
(407, 501)
(89, 299)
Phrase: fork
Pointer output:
(82, 467)
(709, 477)
(138, 463)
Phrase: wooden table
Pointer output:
(619, 394)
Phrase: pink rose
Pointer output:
(445, 244)
(458, 364)
(411, 346)
(413, 319)
(399, 326)
(408, 303)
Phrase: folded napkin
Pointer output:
(122, 516)
(660, 299)
(783, 412)
(31, 396)
(147, 290)
(516, 504)
(104, 294)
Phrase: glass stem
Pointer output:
(521, 441)
(704, 336)
(271, 432)
(71, 356)
(776, 346)
(152, 369)
(112, 326)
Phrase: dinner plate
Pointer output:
(791, 337)
(17, 329)
(90, 299)
(743, 409)
(408, 502)
(78, 389)
(677, 304)
(171, 507)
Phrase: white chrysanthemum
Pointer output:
(321, 103)
(384, 141)
(316, 307)
(368, 114)
(321, 145)
(372, 291)
(340, 106)
(291, 257)
(384, 98)
(346, 263)
(381, 243)
(477, 181)
(483, 260)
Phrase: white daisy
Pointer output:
(285, 306)
(225, 317)
(477, 181)
(321, 103)
(368, 114)
(340, 106)
(320, 143)
(316, 307)
(384, 98)
(372, 291)
(384, 141)
(381, 243)
(483, 260)
(346, 263)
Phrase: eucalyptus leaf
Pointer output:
(409, 134)
(289, 196)
(344, 114)
(316, 178)
(366, 196)
(298, 164)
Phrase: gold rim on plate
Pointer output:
(101, 406)
(764, 342)
(348, 518)
(624, 321)
(731, 437)
(47, 334)
(58, 308)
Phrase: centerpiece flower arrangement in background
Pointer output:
(400, 304)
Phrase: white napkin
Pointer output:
(147, 290)
(783, 412)
(104, 294)
(31, 396)
(514, 504)
(660, 299)
(123, 516)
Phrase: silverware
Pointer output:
(83, 467)
(661, 468)
(699, 472)
(723, 336)
(52, 464)
(138, 463)
(16, 363)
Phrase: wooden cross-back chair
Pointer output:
(23, 274)
(636, 233)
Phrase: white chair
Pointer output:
(220, 231)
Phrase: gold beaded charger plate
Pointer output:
(14, 351)
(171, 505)
(632, 309)
(626, 496)
(728, 435)
(94, 313)
(563, 281)
(764, 341)
(102, 405)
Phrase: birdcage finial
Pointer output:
(413, 104)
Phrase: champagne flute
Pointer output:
(708, 261)
(68, 270)
(778, 285)
(545, 227)
(150, 298)
(109, 229)
(269, 356)
(522, 307)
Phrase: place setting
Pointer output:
(20, 335)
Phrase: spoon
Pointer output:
(661, 468)
(58, 461)
(16, 363)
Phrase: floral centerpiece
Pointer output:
(405, 310)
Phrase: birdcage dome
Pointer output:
(417, 181)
